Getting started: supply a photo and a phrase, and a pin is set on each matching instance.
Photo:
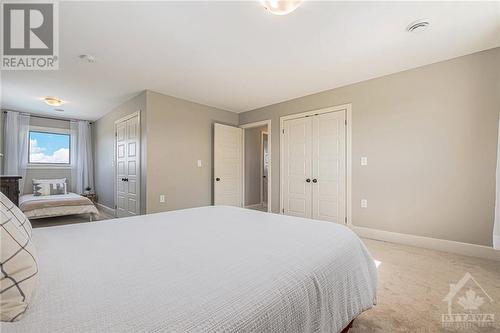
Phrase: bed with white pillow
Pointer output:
(207, 269)
(36, 207)
(50, 198)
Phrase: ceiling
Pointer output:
(235, 55)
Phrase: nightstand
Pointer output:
(91, 196)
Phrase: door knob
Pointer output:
(308, 180)
(217, 179)
(315, 180)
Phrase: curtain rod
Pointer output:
(48, 117)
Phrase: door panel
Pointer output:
(228, 163)
(265, 167)
(328, 165)
(128, 167)
(297, 167)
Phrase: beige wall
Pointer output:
(179, 134)
(430, 135)
(104, 141)
(253, 164)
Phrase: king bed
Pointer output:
(207, 269)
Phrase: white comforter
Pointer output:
(209, 269)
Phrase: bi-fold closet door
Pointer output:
(314, 180)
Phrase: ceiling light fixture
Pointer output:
(53, 101)
(281, 7)
(418, 26)
(88, 58)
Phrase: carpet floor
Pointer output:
(413, 283)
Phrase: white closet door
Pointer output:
(328, 164)
(297, 167)
(228, 163)
(128, 167)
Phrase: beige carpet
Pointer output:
(413, 282)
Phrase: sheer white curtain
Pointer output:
(496, 227)
(16, 143)
(82, 164)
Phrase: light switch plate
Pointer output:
(199, 163)
(364, 161)
(162, 198)
(364, 203)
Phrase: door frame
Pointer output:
(348, 157)
(267, 123)
(127, 117)
(262, 166)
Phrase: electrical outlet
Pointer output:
(364, 203)
(162, 198)
(364, 161)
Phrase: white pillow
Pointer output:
(49, 187)
(19, 267)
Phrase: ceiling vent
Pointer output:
(418, 26)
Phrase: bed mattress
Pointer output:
(208, 269)
(55, 205)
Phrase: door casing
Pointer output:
(270, 164)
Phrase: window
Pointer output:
(48, 148)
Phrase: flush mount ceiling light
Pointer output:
(281, 7)
(419, 25)
(87, 58)
(53, 101)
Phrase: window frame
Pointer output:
(49, 130)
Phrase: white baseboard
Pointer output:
(108, 210)
(471, 250)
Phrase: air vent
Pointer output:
(418, 26)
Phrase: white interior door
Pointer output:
(297, 167)
(228, 165)
(265, 168)
(328, 166)
(128, 167)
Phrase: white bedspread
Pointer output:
(209, 269)
(30, 197)
(63, 209)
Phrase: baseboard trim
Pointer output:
(465, 249)
(108, 210)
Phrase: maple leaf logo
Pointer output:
(470, 301)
